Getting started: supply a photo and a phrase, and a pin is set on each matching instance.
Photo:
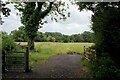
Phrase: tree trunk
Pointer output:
(31, 44)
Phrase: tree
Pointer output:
(56, 35)
(51, 39)
(87, 36)
(66, 38)
(7, 42)
(41, 37)
(19, 35)
(5, 11)
(105, 24)
(33, 14)
(76, 38)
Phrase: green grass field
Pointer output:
(44, 50)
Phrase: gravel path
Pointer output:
(58, 66)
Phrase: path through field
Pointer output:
(58, 66)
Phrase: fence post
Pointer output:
(27, 59)
(84, 51)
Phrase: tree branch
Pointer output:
(45, 12)
(59, 11)
(40, 6)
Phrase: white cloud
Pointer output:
(71, 28)
(77, 23)
(13, 16)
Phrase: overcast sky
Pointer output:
(78, 22)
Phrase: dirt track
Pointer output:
(59, 66)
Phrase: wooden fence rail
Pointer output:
(89, 53)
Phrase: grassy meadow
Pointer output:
(44, 50)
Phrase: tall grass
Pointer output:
(44, 50)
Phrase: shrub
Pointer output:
(7, 42)
(104, 68)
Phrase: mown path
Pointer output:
(58, 66)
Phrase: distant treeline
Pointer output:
(19, 36)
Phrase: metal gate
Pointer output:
(16, 61)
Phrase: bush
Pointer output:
(104, 68)
(7, 43)
(0, 42)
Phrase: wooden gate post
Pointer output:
(27, 59)
(84, 51)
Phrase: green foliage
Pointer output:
(0, 41)
(34, 13)
(20, 36)
(104, 68)
(105, 24)
(7, 42)
(58, 36)
(86, 36)
(106, 27)
(51, 39)
(4, 10)
(41, 37)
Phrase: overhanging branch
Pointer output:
(45, 12)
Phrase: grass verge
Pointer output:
(44, 50)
